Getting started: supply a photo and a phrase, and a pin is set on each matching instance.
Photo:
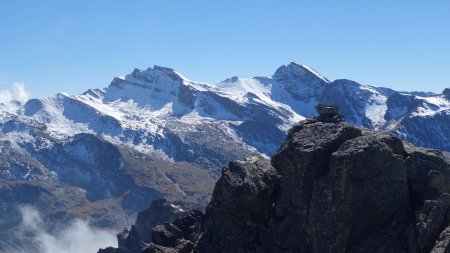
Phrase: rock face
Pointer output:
(328, 113)
(244, 194)
(139, 236)
(330, 187)
(178, 236)
(446, 93)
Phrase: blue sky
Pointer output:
(71, 46)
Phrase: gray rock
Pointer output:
(341, 189)
(329, 188)
(446, 93)
(428, 173)
(301, 159)
(431, 220)
(179, 235)
(110, 250)
(365, 187)
(443, 242)
(160, 211)
(243, 198)
(328, 113)
(139, 236)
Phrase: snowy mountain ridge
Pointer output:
(142, 104)
(155, 133)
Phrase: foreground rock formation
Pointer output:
(330, 187)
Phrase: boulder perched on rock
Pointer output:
(330, 187)
(328, 113)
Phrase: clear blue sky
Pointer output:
(74, 45)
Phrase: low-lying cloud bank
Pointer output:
(77, 237)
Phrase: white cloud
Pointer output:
(17, 92)
(77, 237)
(5, 96)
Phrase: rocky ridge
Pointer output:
(330, 187)
(168, 137)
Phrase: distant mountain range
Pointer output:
(154, 133)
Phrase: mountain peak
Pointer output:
(297, 70)
(232, 79)
(157, 73)
(446, 93)
(150, 77)
(163, 69)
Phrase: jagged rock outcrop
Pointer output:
(328, 113)
(179, 235)
(428, 172)
(447, 156)
(139, 236)
(330, 187)
(446, 93)
(243, 195)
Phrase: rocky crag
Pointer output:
(330, 187)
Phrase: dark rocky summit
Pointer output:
(139, 236)
(446, 93)
(180, 235)
(328, 113)
(330, 187)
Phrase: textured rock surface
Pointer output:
(179, 235)
(242, 201)
(443, 242)
(428, 172)
(341, 189)
(431, 220)
(447, 156)
(329, 188)
(446, 93)
(139, 236)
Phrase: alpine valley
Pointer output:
(108, 153)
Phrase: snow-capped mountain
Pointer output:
(156, 133)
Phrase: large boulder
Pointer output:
(301, 159)
(365, 188)
(428, 173)
(243, 199)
